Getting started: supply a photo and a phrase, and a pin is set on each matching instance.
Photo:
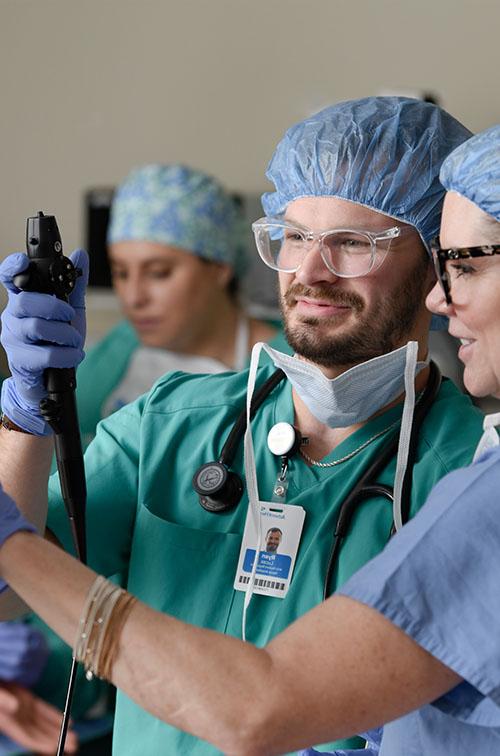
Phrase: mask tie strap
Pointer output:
(251, 480)
(489, 439)
(491, 421)
(241, 343)
(405, 433)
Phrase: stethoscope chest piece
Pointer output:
(218, 488)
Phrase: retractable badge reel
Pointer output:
(283, 440)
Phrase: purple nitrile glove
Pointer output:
(38, 331)
(11, 520)
(23, 653)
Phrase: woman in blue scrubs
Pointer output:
(438, 580)
(413, 639)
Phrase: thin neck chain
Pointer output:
(334, 462)
(351, 454)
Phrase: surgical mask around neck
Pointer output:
(490, 437)
(357, 394)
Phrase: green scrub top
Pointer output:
(53, 682)
(99, 374)
(144, 518)
(106, 364)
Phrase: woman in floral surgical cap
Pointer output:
(176, 255)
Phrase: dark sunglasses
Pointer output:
(441, 256)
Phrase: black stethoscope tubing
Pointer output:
(364, 489)
(228, 451)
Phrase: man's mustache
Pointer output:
(325, 293)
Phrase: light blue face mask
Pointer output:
(355, 395)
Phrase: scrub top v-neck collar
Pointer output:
(283, 411)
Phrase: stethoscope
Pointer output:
(220, 489)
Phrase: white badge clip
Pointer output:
(281, 528)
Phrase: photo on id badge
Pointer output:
(281, 528)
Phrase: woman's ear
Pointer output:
(224, 275)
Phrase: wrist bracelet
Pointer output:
(7, 423)
(103, 615)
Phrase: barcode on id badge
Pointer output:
(264, 583)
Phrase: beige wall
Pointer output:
(90, 88)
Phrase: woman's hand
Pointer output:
(30, 721)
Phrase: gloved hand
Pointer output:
(38, 331)
(11, 520)
(23, 653)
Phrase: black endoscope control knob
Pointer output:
(219, 489)
(51, 411)
(49, 272)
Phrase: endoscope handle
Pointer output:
(59, 410)
(49, 272)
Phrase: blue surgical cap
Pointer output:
(381, 152)
(176, 205)
(473, 170)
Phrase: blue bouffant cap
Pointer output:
(473, 170)
(182, 207)
(381, 152)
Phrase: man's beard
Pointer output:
(374, 333)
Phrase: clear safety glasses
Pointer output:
(449, 265)
(346, 253)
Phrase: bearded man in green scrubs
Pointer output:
(356, 200)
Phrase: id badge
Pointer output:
(281, 529)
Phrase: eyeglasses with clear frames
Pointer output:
(447, 263)
(348, 253)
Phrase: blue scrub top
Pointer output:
(439, 581)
